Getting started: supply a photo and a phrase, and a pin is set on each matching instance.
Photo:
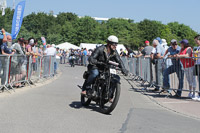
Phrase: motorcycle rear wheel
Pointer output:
(85, 101)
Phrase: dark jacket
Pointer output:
(100, 55)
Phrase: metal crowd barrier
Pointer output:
(167, 74)
(27, 69)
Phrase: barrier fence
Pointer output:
(177, 74)
(25, 69)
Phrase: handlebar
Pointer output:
(113, 63)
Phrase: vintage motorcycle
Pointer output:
(105, 90)
(72, 60)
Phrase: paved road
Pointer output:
(56, 108)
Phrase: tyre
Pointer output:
(85, 101)
(106, 106)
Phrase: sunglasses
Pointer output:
(114, 44)
(174, 43)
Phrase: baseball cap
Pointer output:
(173, 41)
(146, 41)
(31, 42)
(163, 40)
(184, 41)
(21, 39)
(159, 39)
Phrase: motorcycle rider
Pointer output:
(72, 57)
(99, 58)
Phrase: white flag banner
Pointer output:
(3, 6)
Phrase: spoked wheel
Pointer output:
(85, 101)
(107, 106)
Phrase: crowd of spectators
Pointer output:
(181, 60)
(21, 52)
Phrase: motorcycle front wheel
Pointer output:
(107, 106)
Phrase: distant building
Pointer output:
(100, 20)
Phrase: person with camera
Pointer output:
(98, 60)
(176, 66)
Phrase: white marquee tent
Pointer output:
(88, 46)
(67, 46)
(120, 46)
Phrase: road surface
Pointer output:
(56, 108)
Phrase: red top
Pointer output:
(187, 62)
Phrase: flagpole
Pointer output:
(13, 4)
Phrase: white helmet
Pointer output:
(113, 39)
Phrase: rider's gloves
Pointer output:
(125, 72)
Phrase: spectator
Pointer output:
(197, 66)
(35, 56)
(7, 40)
(175, 67)
(85, 57)
(90, 52)
(61, 51)
(164, 44)
(30, 53)
(147, 49)
(122, 52)
(25, 43)
(140, 50)
(24, 65)
(40, 51)
(17, 61)
(157, 57)
(188, 64)
(130, 52)
(64, 54)
(58, 55)
(50, 51)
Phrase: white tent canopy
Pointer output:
(120, 46)
(67, 46)
(88, 46)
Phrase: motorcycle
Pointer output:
(72, 60)
(105, 90)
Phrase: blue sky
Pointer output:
(183, 11)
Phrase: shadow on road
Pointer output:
(78, 105)
(157, 95)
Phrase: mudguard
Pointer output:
(115, 79)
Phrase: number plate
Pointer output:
(113, 71)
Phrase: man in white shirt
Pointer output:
(50, 51)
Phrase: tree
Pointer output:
(69, 27)
(182, 32)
